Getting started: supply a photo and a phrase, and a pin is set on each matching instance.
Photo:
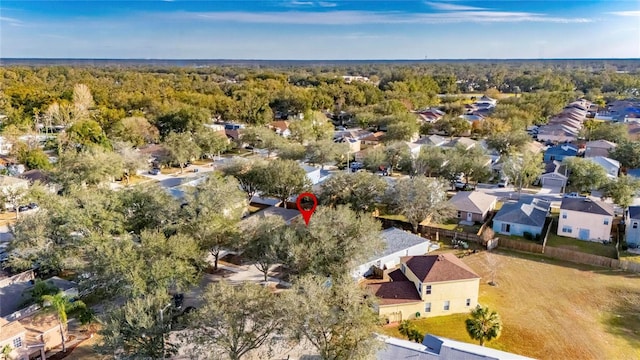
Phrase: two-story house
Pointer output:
(427, 285)
(585, 219)
(14, 335)
(632, 231)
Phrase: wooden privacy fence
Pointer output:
(428, 231)
(569, 255)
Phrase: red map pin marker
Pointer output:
(307, 203)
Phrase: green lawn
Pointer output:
(450, 326)
(589, 247)
(625, 255)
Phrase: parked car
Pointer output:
(4, 257)
(154, 171)
(462, 186)
(23, 208)
(573, 195)
(33, 206)
(503, 182)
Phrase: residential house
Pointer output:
(43, 333)
(439, 348)
(528, 215)
(353, 144)
(397, 243)
(535, 147)
(463, 142)
(432, 140)
(612, 167)
(288, 215)
(373, 140)
(473, 206)
(598, 148)
(492, 153)
(486, 101)
(414, 149)
(313, 174)
(560, 152)
(632, 230)
(281, 127)
(14, 335)
(427, 285)
(585, 219)
(430, 115)
(555, 175)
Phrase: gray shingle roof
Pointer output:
(634, 212)
(472, 201)
(587, 205)
(530, 211)
(397, 240)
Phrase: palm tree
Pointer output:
(61, 304)
(484, 325)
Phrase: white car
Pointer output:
(573, 195)
(503, 182)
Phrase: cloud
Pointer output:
(633, 13)
(12, 21)
(367, 17)
(451, 7)
(326, 4)
(300, 3)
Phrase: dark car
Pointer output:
(23, 208)
(33, 206)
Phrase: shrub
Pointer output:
(417, 314)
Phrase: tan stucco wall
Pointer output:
(408, 310)
(456, 292)
(579, 220)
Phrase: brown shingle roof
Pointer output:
(9, 330)
(436, 268)
(280, 125)
(395, 292)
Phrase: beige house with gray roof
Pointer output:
(473, 206)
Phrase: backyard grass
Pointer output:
(628, 256)
(589, 247)
(552, 309)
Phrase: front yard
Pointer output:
(550, 310)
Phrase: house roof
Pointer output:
(587, 205)
(634, 172)
(466, 142)
(634, 212)
(604, 144)
(280, 125)
(555, 167)
(10, 329)
(374, 137)
(10, 180)
(563, 149)
(475, 202)
(395, 292)
(286, 214)
(531, 211)
(605, 162)
(397, 240)
(35, 175)
(436, 268)
(433, 140)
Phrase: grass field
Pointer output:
(554, 310)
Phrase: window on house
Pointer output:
(428, 289)
(468, 302)
(564, 215)
(506, 228)
(427, 307)
(635, 225)
(446, 305)
(606, 221)
(17, 342)
(567, 229)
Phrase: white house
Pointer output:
(398, 243)
(585, 219)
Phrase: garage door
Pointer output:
(551, 182)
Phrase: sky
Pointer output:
(320, 30)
